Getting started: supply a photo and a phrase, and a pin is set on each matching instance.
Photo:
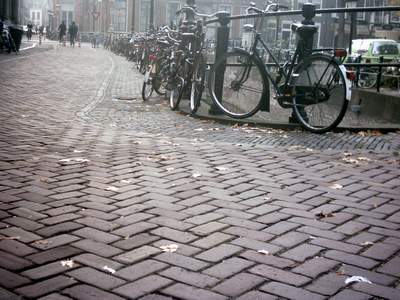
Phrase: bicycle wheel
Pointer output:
(176, 92)
(243, 87)
(147, 89)
(367, 79)
(161, 78)
(319, 90)
(198, 77)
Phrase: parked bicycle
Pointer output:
(313, 84)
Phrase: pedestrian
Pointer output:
(72, 31)
(62, 29)
(29, 32)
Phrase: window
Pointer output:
(172, 8)
(144, 15)
(361, 15)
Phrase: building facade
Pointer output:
(9, 10)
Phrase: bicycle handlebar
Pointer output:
(270, 7)
(188, 8)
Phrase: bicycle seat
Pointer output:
(304, 29)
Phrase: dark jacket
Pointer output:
(73, 29)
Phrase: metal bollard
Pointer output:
(379, 77)
(221, 49)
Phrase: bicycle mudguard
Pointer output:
(348, 82)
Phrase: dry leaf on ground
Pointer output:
(169, 248)
(108, 269)
(263, 251)
(68, 263)
(112, 188)
(357, 279)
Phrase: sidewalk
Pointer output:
(103, 196)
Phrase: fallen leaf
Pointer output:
(78, 151)
(195, 175)
(263, 251)
(357, 279)
(199, 129)
(170, 169)
(169, 248)
(125, 181)
(362, 158)
(112, 188)
(311, 237)
(366, 243)
(68, 263)
(9, 238)
(108, 269)
(222, 169)
(336, 186)
(322, 215)
(74, 159)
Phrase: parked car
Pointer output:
(370, 50)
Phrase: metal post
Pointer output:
(221, 49)
(152, 14)
(341, 25)
(353, 27)
(379, 77)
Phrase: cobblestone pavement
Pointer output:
(95, 189)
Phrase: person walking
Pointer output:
(29, 32)
(62, 29)
(72, 31)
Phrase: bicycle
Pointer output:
(313, 83)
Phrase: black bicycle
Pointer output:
(313, 83)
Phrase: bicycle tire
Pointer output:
(176, 92)
(239, 64)
(319, 90)
(367, 80)
(147, 88)
(161, 78)
(198, 79)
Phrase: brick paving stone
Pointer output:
(136, 241)
(279, 275)
(381, 251)
(351, 228)
(23, 223)
(281, 227)
(16, 247)
(88, 292)
(183, 249)
(351, 259)
(248, 233)
(54, 254)
(208, 228)
(182, 291)
(315, 266)
(268, 259)
(60, 228)
(373, 276)
(242, 223)
(364, 237)
(12, 262)
(155, 297)
(392, 267)
(133, 229)
(11, 280)
(327, 284)
(96, 278)
(137, 254)
(55, 296)
(212, 240)
(337, 245)
(228, 267)
(219, 252)
(182, 261)
(97, 223)
(97, 248)
(290, 239)
(238, 284)
(54, 241)
(257, 295)
(204, 218)
(190, 278)
(96, 235)
(302, 252)
(45, 287)
(289, 292)
(47, 270)
(350, 294)
(143, 286)
(256, 245)
(60, 219)
(377, 290)
(96, 262)
(141, 269)
(7, 295)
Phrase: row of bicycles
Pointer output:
(313, 83)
